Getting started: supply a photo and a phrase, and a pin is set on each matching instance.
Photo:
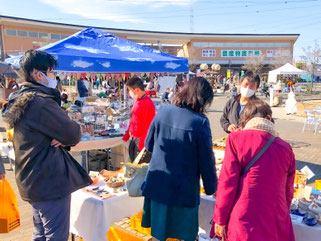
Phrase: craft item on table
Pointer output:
(106, 173)
(99, 192)
(296, 218)
(94, 176)
(307, 171)
(114, 182)
(300, 181)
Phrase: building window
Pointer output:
(33, 34)
(22, 33)
(11, 32)
(64, 36)
(55, 36)
(43, 35)
(208, 53)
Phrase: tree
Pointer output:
(254, 63)
(279, 61)
(312, 59)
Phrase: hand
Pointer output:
(56, 143)
(232, 128)
(2, 176)
(220, 231)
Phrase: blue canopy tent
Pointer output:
(93, 50)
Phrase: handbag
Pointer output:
(246, 168)
(136, 173)
(9, 213)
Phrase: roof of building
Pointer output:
(143, 35)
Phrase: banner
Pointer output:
(228, 73)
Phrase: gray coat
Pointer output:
(231, 113)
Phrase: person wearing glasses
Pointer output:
(46, 174)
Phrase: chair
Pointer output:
(312, 119)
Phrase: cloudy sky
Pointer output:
(209, 16)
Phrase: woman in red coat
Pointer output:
(255, 206)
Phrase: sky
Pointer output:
(208, 16)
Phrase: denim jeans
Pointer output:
(51, 219)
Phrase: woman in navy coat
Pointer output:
(181, 144)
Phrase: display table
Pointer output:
(302, 232)
(97, 144)
(101, 143)
(90, 217)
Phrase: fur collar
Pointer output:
(13, 114)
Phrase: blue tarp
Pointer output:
(93, 50)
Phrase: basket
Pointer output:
(9, 224)
(135, 224)
(115, 184)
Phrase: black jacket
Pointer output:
(231, 113)
(43, 172)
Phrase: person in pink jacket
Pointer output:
(255, 206)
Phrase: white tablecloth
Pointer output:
(302, 232)
(91, 217)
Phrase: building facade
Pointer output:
(229, 50)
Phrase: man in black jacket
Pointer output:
(46, 174)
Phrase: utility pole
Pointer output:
(191, 20)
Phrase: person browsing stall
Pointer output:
(255, 187)
(180, 141)
(142, 114)
(234, 107)
(46, 174)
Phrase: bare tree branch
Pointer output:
(254, 63)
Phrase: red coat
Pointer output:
(256, 206)
(143, 112)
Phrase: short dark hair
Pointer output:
(255, 78)
(38, 60)
(255, 108)
(135, 82)
(196, 94)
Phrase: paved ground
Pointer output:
(306, 147)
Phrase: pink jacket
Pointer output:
(256, 206)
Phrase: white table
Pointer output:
(97, 144)
(302, 232)
(102, 143)
(91, 217)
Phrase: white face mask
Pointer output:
(52, 83)
(131, 93)
(247, 92)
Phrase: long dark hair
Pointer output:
(255, 108)
(197, 94)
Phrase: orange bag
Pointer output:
(9, 214)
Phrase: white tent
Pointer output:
(285, 69)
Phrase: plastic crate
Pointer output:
(7, 225)
(115, 234)
(135, 224)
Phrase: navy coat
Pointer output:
(181, 144)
